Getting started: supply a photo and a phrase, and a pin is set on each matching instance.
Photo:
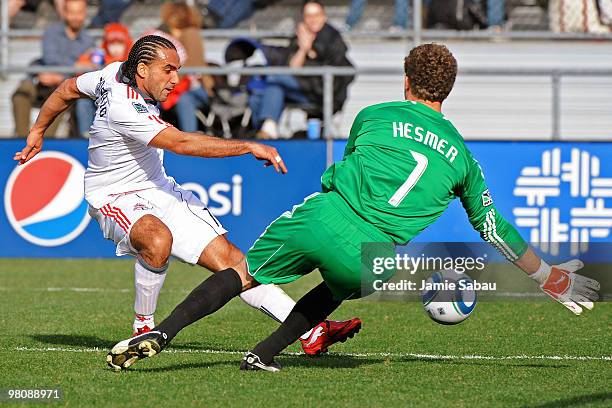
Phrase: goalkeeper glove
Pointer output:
(566, 287)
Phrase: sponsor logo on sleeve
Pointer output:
(140, 108)
(486, 198)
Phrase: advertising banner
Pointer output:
(43, 212)
(554, 193)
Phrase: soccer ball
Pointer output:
(449, 297)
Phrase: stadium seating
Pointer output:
(482, 107)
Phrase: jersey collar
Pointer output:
(125, 80)
(421, 107)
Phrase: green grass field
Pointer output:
(59, 317)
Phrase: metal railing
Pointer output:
(328, 74)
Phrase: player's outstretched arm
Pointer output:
(195, 144)
(560, 282)
(59, 101)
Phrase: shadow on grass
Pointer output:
(325, 362)
(73, 340)
(328, 361)
(605, 398)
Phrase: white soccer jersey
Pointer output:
(120, 159)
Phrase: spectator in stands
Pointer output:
(228, 13)
(110, 11)
(63, 43)
(316, 43)
(496, 9)
(116, 45)
(183, 23)
(14, 6)
(400, 21)
(456, 15)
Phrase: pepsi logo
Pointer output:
(44, 199)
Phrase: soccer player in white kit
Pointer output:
(145, 212)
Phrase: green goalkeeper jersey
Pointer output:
(403, 165)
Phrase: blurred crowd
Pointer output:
(230, 106)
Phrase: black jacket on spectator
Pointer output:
(331, 50)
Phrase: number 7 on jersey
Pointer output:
(414, 176)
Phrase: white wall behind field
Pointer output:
(481, 107)
(504, 107)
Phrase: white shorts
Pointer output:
(192, 225)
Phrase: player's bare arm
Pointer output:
(194, 144)
(58, 102)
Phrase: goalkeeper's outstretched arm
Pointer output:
(560, 282)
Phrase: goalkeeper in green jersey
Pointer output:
(403, 165)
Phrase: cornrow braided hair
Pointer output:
(144, 50)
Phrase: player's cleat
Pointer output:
(141, 330)
(329, 332)
(252, 362)
(127, 352)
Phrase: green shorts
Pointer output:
(323, 232)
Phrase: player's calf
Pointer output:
(312, 308)
(207, 298)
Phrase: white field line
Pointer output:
(386, 355)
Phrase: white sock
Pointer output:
(148, 281)
(141, 321)
(270, 127)
(271, 300)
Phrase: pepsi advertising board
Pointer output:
(43, 212)
(553, 193)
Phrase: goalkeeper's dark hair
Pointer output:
(144, 50)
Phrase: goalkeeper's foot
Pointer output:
(329, 332)
(127, 352)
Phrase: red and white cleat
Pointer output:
(329, 332)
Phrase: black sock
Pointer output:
(309, 311)
(206, 299)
